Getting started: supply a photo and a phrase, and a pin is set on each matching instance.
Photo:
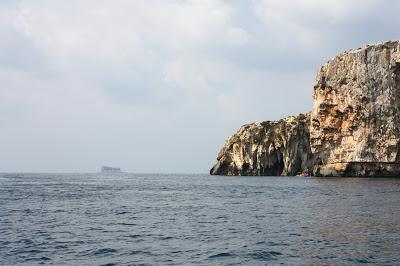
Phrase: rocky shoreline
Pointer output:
(352, 130)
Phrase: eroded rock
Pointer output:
(355, 118)
(354, 128)
(267, 148)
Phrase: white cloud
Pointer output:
(115, 29)
(186, 75)
(237, 36)
(308, 23)
(334, 11)
(94, 39)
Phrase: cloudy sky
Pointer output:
(158, 85)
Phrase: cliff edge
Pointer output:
(356, 113)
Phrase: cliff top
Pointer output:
(288, 119)
(390, 43)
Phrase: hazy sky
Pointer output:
(158, 85)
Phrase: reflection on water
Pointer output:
(125, 219)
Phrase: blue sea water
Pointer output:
(158, 219)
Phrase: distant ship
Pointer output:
(108, 169)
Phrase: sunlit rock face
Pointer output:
(267, 148)
(353, 129)
(355, 118)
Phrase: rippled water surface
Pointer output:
(130, 219)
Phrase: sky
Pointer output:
(156, 86)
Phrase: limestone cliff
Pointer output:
(355, 118)
(353, 129)
(267, 148)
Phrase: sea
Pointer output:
(197, 219)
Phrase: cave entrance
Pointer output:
(277, 168)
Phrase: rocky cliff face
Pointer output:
(355, 118)
(268, 148)
(354, 128)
